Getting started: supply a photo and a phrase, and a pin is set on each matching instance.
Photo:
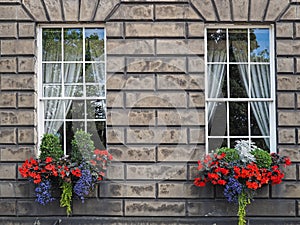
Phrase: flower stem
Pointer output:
(243, 201)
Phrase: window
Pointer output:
(240, 93)
(72, 88)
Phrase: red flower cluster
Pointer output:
(100, 161)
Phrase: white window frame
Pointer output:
(40, 105)
(272, 109)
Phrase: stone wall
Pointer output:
(155, 98)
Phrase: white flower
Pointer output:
(244, 149)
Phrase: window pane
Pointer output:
(96, 90)
(95, 73)
(73, 44)
(238, 79)
(216, 45)
(51, 73)
(260, 45)
(259, 114)
(51, 47)
(260, 81)
(73, 73)
(238, 45)
(98, 131)
(262, 143)
(94, 44)
(75, 109)
(54, 127)
(53, 109)
(217, 81)
(73, 90)
(96, 109)
(217, 125)
(215, 143)
(71, 128)
(232, 143)
(238, 118)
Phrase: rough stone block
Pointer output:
(101, 206)
(114, 29)
(286, 100)
(156, 172)
(155, 100)
(196, 99)
(134, 12)
(258, 10)
(240, 10)
(115, 135)
(285, 65)
(132, 153)
(275, 9)
(71, 10)
(18, 47)
(27, 29)
(20, 153)
(290, 172)
(115, 64)
(224, 11)
(291, 151)
(7, 207)
(288, 47)
(183, 82)
(87, 10)
(180, 153)
(8, 65)
(180, 117)
(27, 100)
(183, 190)
(291, 13)
(115, 171)
(196, 64)
(175, 12)
(153, 208)
(26, 117)
(10, 12)
(298, 65)
(288, 82)
(30, 207)
(211, 208)
(54, 9)
(157, 64)
(156, 135)
(36, 9)
(104, 9)
(297, 29)
(272, 207)
(157, 29)
(26, 65)
(197, 135)
(288, 118)
(8, 30)
(131, 82)
(7, 100)
(115, 81)
(286, 136)
(117, 117)
(127, 190)
(114, 99)
(180, 47)
(8, 135)
(27, 136)
(196, 29)
(206, 8)
(12, 189)
(284, 30)
(7, 171)
(130, 47)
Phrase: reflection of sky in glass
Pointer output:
(94, 31)
(262, 38)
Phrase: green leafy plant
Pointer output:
(82, 146)
(231, 154)
(263, 158)
(66, 196)
(50, 147)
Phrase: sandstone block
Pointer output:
(30, 207)
(18, 47)
(275, 9)
(20, 153)
(71, 10)
(288, 47)
(206, 9)
(180, 47)
(114, 29)
(180, 153)
(272, 207)
(290, 172)
(129, 47)
(211, 208)
(175, 12)
(115, 135)
(87, 10)
(7, 100)
(132, 153)
(27, 29)
(8, 136)
(286, 136)
(286, 100)
(288, 82)
(224, 11)
(115, 171)
(26, 64)
(27, 100)
(7, 207)
(12, 117)
(180, 117)
(291, 151)
(115, 99)
(285, 65)
(182, 82)
(115, 64)
(288, 118)
(284, 30)
(12, 12)
(197, 135)
(196, 64)
(8, 65)
(258, 10)
(117, 117)
(196, 99)
(134, 12)
(13, 189)
(54, 9)
(27, 136)
(8, 30)
(7, 171)
(101, 206)
(240, 10)
(104, 9)
(36, 9)
(196, 29)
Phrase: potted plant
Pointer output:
(75, 174)
(241, 171)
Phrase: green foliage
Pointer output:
(51, 147)
(263, 158)
(66, 196)
(231, 154)
(82, 146)
(243, 201)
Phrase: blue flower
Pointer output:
(84, 184)
(43, 193)
(232, 189)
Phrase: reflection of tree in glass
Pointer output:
(94, 45)
(51, 44)
(73, 41)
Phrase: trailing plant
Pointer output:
(66, 196)
(241, 171)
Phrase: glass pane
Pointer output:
(217, 81)
(98, 131)
(75, 109)
(96, 109)
(262, 143)
(259, 115)
(52, 91)
(96, 90)
(73, 73)
(73, 90)
(71, 128)
(217, 125)
(95, 73)
(238, 45)
(94, 44)
(260, 81)
(73, 44)
(54, 127)
(216, 45)
(215, 143)
(53, 109)
(51, 44)
(260, 45)
(232, 143)
(52, 73)
(238, 118)
(238, 79)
